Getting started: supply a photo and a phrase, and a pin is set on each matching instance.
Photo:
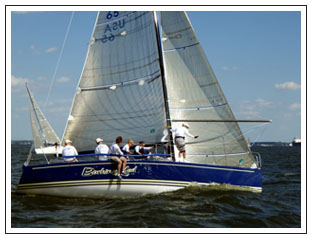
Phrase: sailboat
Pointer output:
(140, 80)
(45, 139)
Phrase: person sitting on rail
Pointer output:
(101, 149)
(69, 150)
(117, 156)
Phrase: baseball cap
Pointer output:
(99, 140)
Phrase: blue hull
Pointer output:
(84, 178)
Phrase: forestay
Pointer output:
(120, 89)
(194, 94)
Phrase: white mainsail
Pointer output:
(46, 135)
(120, 89)
(194, 94)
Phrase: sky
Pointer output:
(255, 55)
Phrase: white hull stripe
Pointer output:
(124, 186)
(105, 182)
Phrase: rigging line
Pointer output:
(260, 135)
(59, 59)
(222, 121)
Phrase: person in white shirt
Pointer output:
(118, 158)
(141, 149)
(126, 147)
(69, 150)
(101, 149)
(179, 138)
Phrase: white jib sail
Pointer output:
(48, 136)
(194, 94)
(120, 89)
(35, 132)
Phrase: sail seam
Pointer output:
(182, 30)
(124, 71)
(183, 47)
(200, 108)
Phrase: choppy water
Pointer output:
(278, 206)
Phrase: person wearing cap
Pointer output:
(117, 156)
(101, 149)
(69, 150)
(179, 138)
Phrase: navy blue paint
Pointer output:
(154, 170)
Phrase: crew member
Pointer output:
(179, 138)
(69, 150)
(118, 158)
(101, 149)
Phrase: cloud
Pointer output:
(34, 50)
(295, 106)
(18, 83)
(229, 68)
(250, 113)
(42, 78)
(247, 109)
(63, 79)
(50, 50)
(290, 85)
(61, 106)
(264, 103)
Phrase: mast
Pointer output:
(162, 72)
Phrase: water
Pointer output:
(278, 206)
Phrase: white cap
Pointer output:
(68, 141)
(98, 140)
(186, 124)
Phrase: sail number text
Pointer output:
(112, 27)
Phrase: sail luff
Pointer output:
(162, 69)
(77, 87)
